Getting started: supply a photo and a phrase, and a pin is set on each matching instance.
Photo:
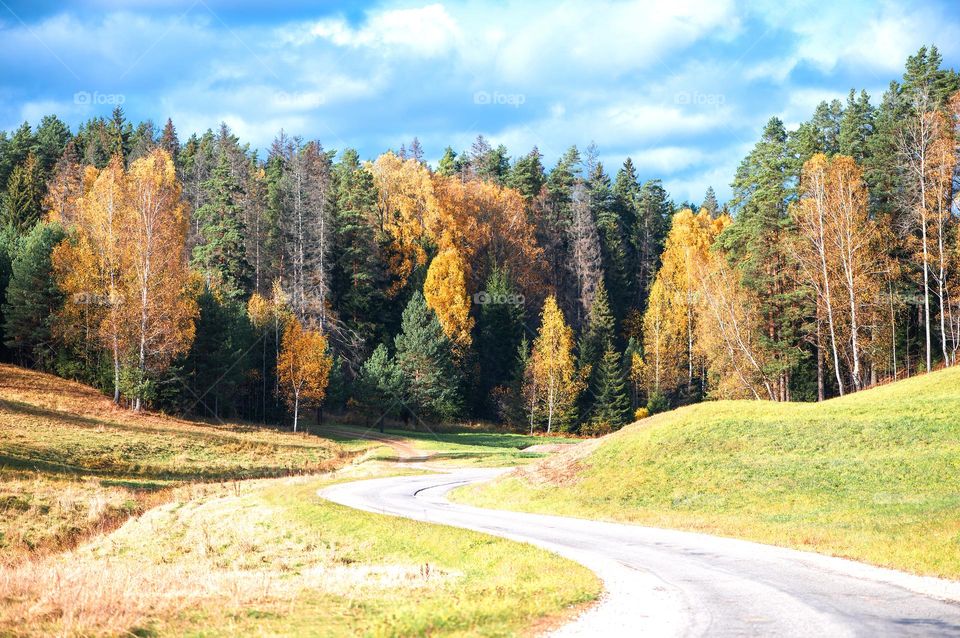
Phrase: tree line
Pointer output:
(198, 277)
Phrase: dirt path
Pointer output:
(405, 451)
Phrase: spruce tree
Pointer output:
(424, 357)
(8, 245)
(600, 333)
(169, 141)
(118, 134)
(24, 201)
(612, 405)
(379, 385)
(652, 221)
(357, 278)
(710, 203)
(15, 151)
(220, 356)
(499, 331)
(33, 297)
(52, 138)
(221, 254)
(614, 239)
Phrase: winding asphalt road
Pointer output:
(670, 583)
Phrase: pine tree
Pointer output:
(923, 74)
(856, 126)
(527, 175)
(424, 357)
(881, 161)
(761, 194)
(447, 166)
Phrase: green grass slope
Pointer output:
(873, 476)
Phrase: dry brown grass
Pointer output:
(73, 464)
(225, 550)
(560, 468)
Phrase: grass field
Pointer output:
(206, 548)
(873, 476)
(461, 447)
(271, 558)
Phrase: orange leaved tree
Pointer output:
(445, 290)
(303, 366)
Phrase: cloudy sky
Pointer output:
(681, 86)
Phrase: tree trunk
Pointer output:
(296, 410)
(820, 388)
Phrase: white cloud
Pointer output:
(427, 31)
(667, 159)
(611, 39)
(868, 36)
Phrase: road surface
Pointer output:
(671, 583)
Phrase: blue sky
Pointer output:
(681, 86)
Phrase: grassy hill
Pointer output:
(873, 476)
(72, 463)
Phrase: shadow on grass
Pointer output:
(218, 434)
(134, 473)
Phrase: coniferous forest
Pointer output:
(185, 271)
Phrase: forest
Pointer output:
(199, 277)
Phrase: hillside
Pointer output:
(71, 462)
(873, 476)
